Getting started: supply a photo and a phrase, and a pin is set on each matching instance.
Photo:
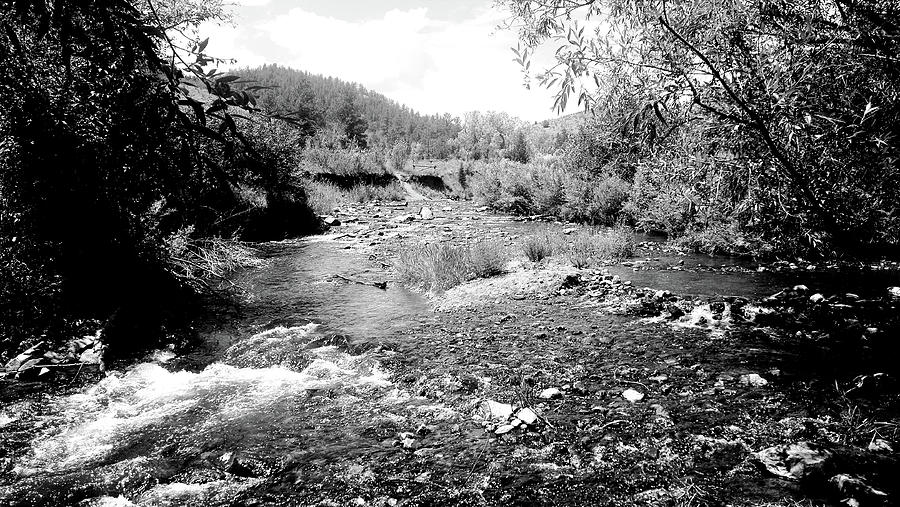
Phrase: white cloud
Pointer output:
(432, 66)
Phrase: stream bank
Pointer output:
(322, 391)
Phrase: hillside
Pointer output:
(337, 107)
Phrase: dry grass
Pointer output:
(324, 197)
(589, 248)
(438, 267)
(538, 246)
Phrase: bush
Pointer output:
(365, 192)
(723, 239)
(343, 162)
(538, 247)
(593, 247)
(323, 197)
(547, 188)
(438, 267)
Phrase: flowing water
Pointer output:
(291, 379)
(285, 387)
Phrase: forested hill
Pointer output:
(344, 111)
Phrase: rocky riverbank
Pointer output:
(664, 379)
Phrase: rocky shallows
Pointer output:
(661, 379)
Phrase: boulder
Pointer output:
(331, 221)
(426, 213)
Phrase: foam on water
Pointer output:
(148, 405)
(6, 419)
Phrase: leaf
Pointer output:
(869, 109)
(227, 79)
(203, 45)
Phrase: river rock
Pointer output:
(527, 416)
(632, 395)
(894, 292)
(426, 213)
(854, 491)
(793, 461)
(234, 466)
(753, 379)
(331, 221)
(551, 393)
(497, 411)
(407, 440)
(502, 430)
(880, 445)
(817, 298)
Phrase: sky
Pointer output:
(435, 56)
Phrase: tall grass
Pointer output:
(438, 267)
(538, 246)
(590, 248)
(324, 197)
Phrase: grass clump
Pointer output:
(594, 247)
(538, 247)
(438, 267)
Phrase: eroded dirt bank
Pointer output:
(547, 385)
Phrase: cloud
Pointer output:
(431, 65)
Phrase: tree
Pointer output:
(519, 150)
(107, 149)
(807, 92)
(353, 124)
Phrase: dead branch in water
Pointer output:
(377, 285)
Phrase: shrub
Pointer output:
(438, 267)
(365, 192)
(592, 247)
(342, 162)
(723, 239)
(538, 247)
(323, 197)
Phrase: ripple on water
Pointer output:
(150, 417)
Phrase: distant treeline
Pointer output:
(343, 113)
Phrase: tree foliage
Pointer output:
(798, 100)
(114, 134)
(325, 101)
